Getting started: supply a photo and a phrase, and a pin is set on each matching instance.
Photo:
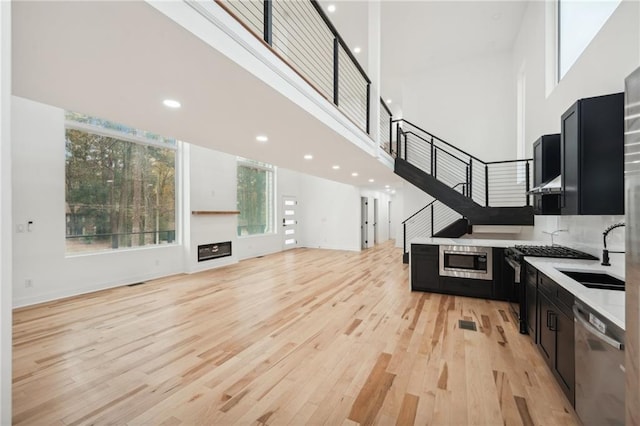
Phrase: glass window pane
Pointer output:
(255, 199)
(118, 193)
(579, 21)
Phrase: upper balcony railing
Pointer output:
(304, 37)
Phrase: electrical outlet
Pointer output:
(28, 283)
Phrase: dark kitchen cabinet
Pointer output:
(592, 156)
(531, 300)
(424, 267)
(466, 287)
(546, 167)
(502, 275)
(555, 333)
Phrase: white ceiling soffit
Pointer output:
(119, 60)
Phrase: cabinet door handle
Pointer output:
(554, 322)
(548, 320)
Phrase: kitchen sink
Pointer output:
(596, 280)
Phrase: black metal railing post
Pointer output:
(466, 182)
(486, 185)
(527, 183)
(398, 143)
(404, 237)
(336, 69)
(434, 164)
(268, 22)
(368, 105)
(391, 136)
(433, 158)
(469, 182)
(432, 219)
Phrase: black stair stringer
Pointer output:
(474, 212)
(456, 229)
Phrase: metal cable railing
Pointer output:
(426, 222)
(301, 33)
(493, 184)
(385, 127)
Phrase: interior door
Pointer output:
(364, 222)
(375, 221)
(289, 222)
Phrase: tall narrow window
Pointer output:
(255, 198)
(578, 23)
(120, 186)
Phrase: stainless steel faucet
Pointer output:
(554, 233)
(605, 252)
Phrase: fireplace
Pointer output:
(214, 251)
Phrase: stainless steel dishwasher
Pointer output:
(599, 367)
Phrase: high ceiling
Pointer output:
(420, 35)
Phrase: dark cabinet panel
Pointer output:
(502, 276)
(547, 341)
(555, 332)
(466, 287)
(546, 166)
(592, 156)
(424, 267)
(565, 354)
(531, 300)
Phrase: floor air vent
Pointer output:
(467, 325)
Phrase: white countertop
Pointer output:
(609, 303)
(478, 242)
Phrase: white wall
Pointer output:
(601, 69)
(211, 186)
(470, 104)
(5, 214)
(331, 214)
(39, 196)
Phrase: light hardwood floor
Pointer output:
(301, 337)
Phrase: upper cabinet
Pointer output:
(592, 157)
(546, 167)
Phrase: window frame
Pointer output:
(271, 170)
(176, 146)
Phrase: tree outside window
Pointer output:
(255, 198)
(119, 193)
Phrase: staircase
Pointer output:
(473, 191)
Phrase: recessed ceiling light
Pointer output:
(387, 186)
(331, 8)
(388, 101)
(336, 167)
(357, 49)
(308, 157)
(371, 180)
(634, 162)
(496, 16)
(262, 138)
(393, 192)
(354, 174)
(170, 103)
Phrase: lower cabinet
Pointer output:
(555, 333)
(466, 287)
(424, 267)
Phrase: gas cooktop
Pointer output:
(549, 251)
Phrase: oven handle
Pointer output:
(516, 269)
(591, 329)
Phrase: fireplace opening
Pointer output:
(214, 251)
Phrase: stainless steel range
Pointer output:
(514, 257)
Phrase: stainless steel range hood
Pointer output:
(553, 186)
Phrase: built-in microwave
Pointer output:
(466, 262)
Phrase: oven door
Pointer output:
(516, 293)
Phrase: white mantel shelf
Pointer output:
(210, 212)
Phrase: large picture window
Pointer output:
(120, 186)
(255, 198)
(578, 23)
